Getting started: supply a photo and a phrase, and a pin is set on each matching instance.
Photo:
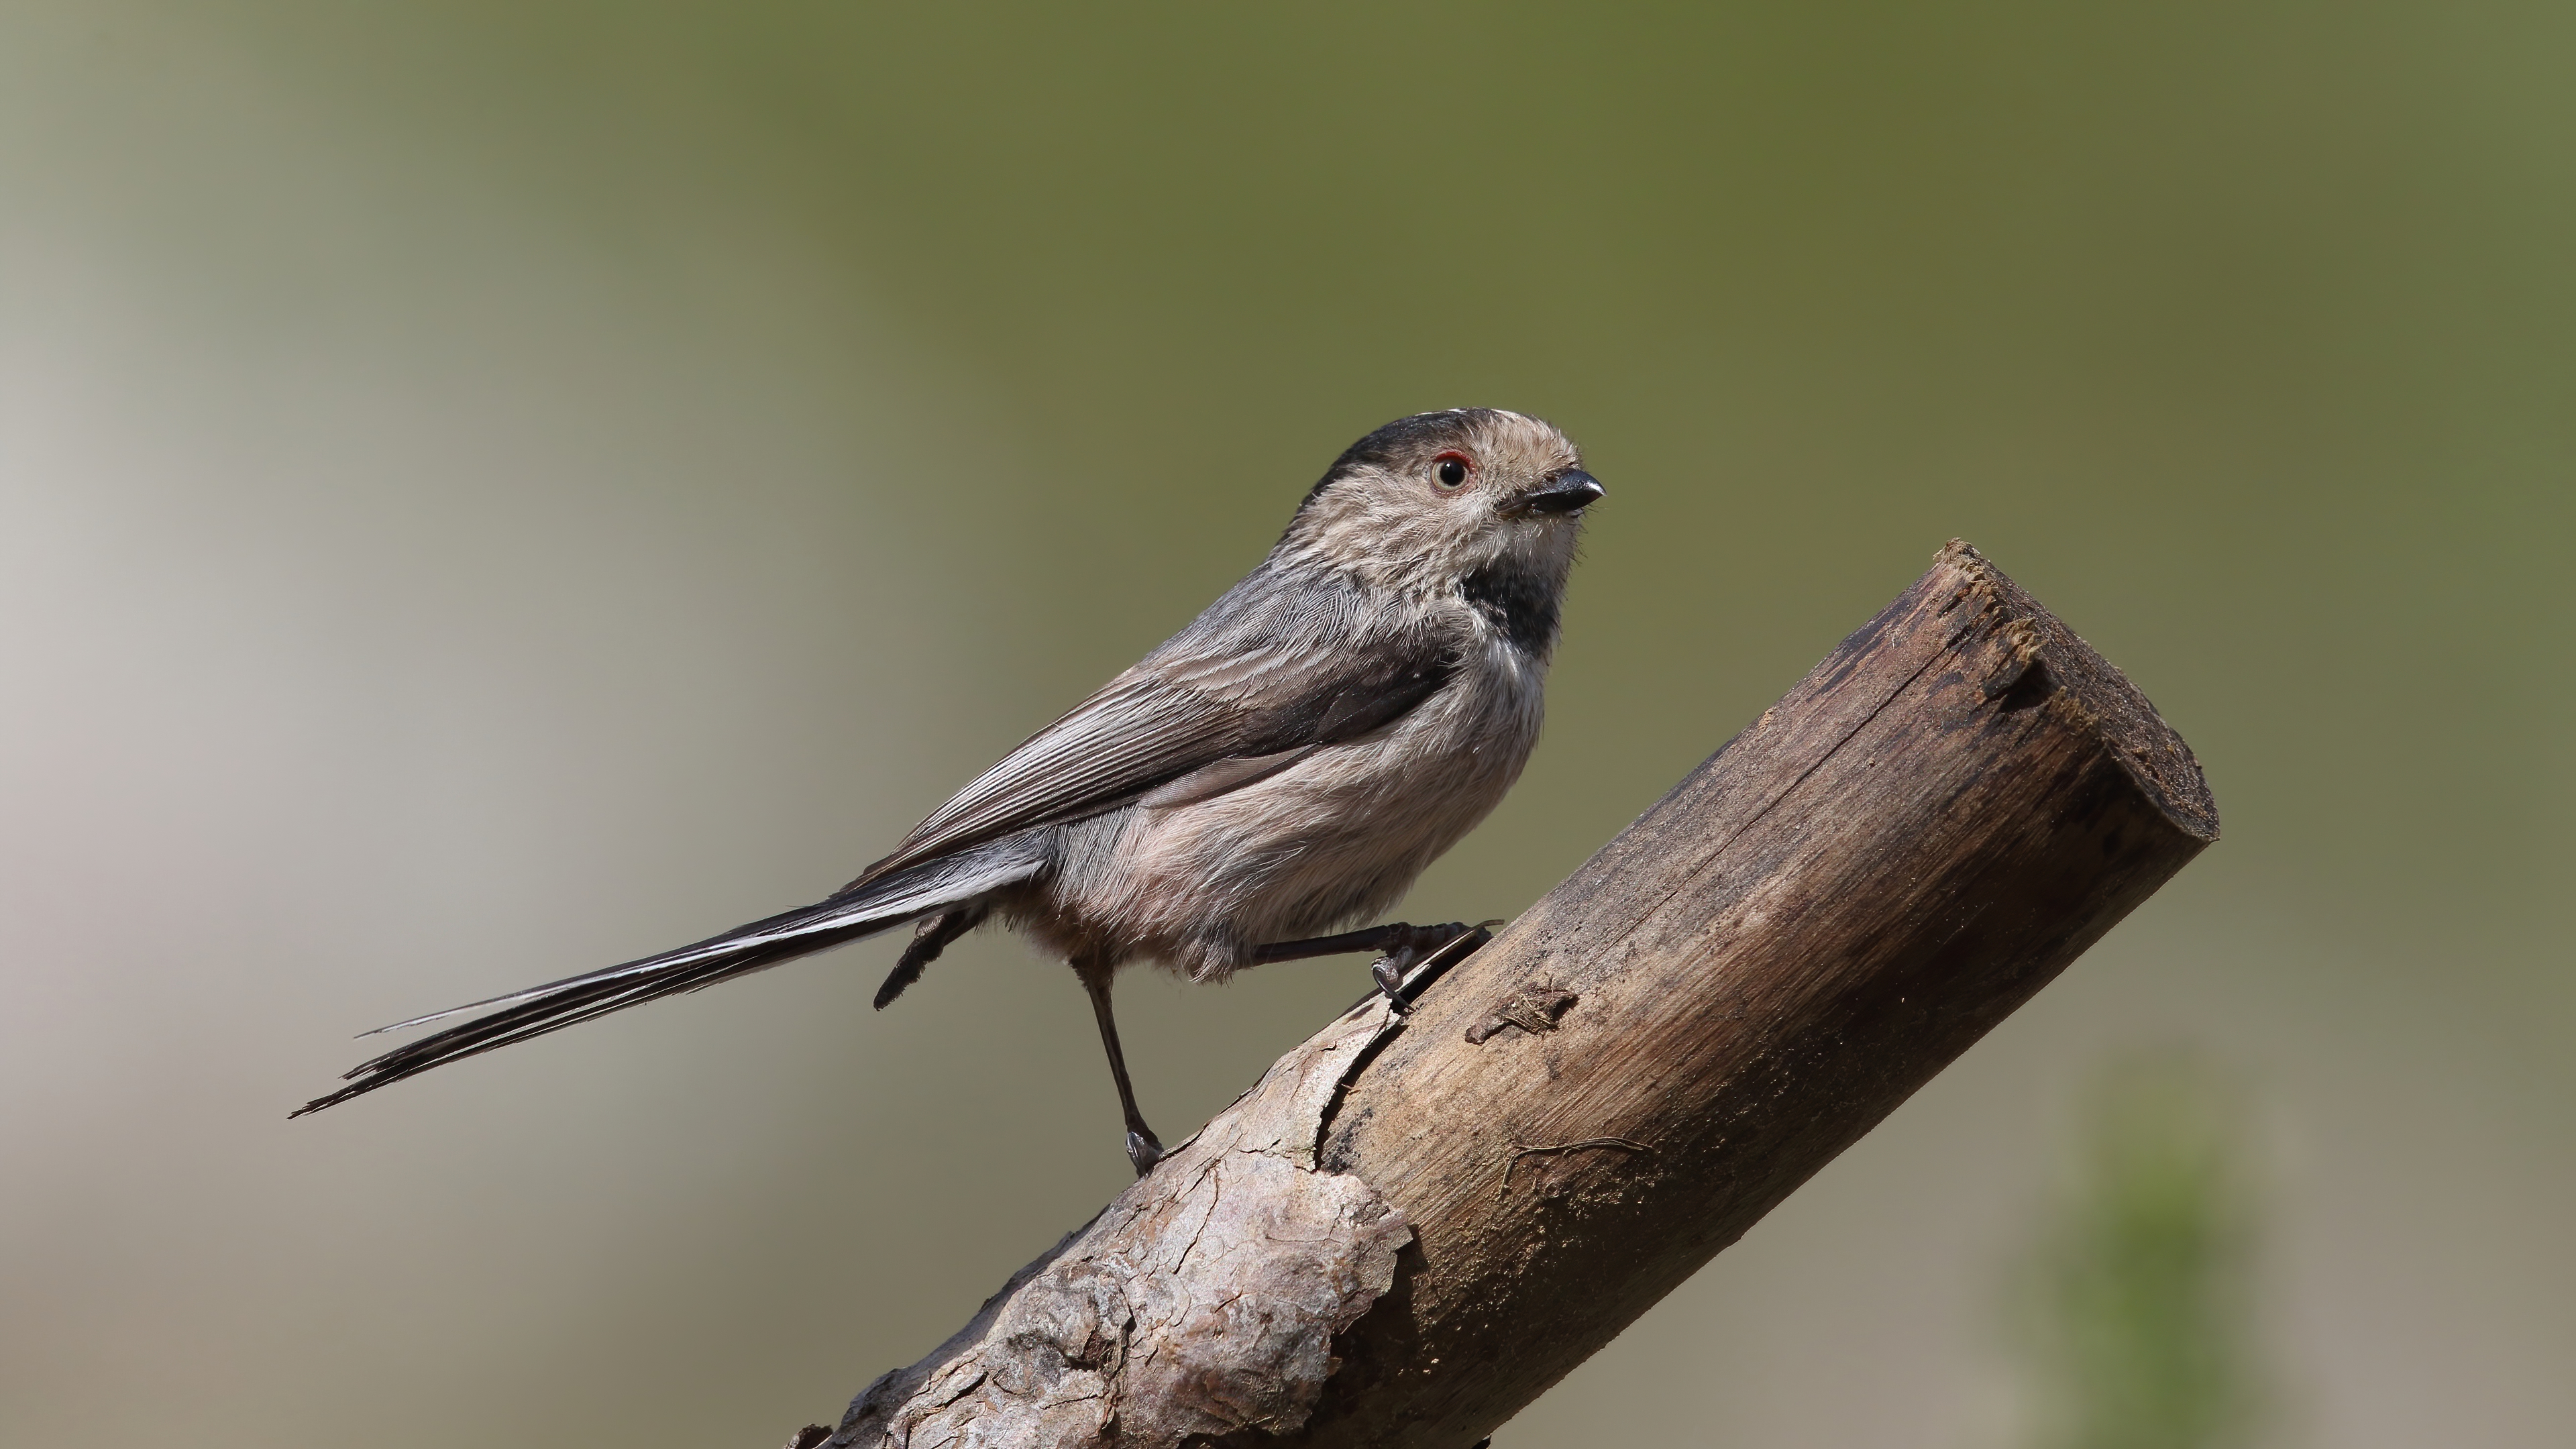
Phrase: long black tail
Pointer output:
(859, 911)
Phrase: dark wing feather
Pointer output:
(1277, 666)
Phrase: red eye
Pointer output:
(1451, 469)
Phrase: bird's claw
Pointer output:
(1447, 946)
(1143, 1149)
(1388, 972)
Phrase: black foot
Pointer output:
(1432, 949)
(1142, 1149)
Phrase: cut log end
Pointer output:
(2058, 659)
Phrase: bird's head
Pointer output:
(1434, 499)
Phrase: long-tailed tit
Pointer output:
(1286, 765)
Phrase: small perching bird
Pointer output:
(1287, 764)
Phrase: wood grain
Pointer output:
(1940, 817)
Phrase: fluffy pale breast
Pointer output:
(1338, 835)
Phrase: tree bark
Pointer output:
(1412, 1227)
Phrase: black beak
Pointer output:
(1571, 491)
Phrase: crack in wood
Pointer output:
(1519, 1152)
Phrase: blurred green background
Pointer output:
(2135, 1302)
(487, 490)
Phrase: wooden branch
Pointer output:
(1410, 1229)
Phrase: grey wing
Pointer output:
(1270, 671)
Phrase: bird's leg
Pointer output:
(1385, 940)
(1144, 1149)
(930, 936)
(1399, 946)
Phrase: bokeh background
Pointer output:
(492, 489)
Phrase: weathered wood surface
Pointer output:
(1407, 1231)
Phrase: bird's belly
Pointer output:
(1339, 836)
